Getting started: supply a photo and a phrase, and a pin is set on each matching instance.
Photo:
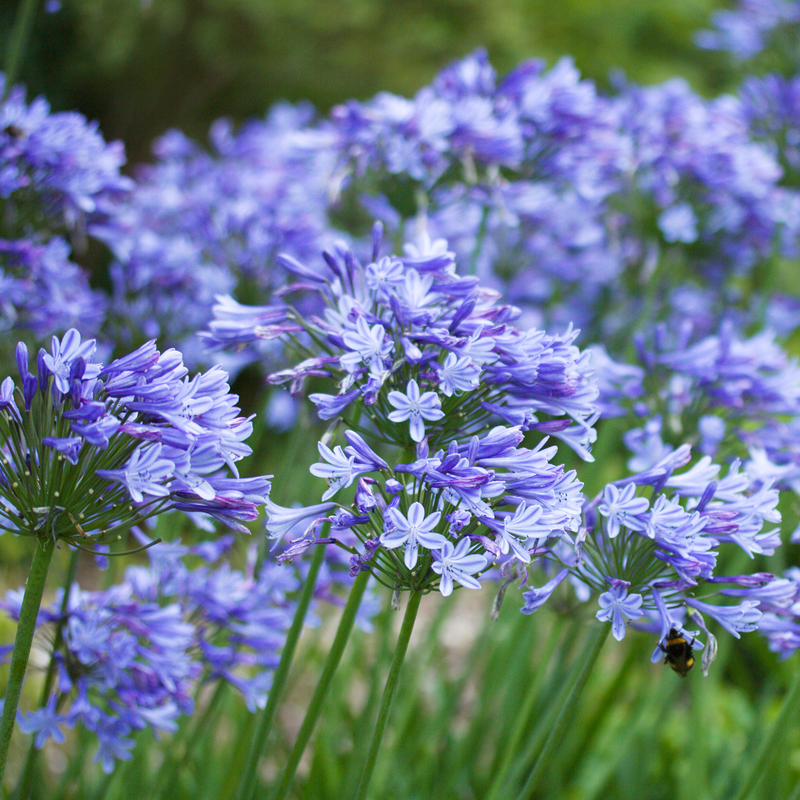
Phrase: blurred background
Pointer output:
(140, 68)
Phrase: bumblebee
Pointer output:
(678, 651)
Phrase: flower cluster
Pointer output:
(568, 200)
(729, 394)
(135, 655)
(238, 618)
(780, 622)
(121, 665)
(771, 106)
(747, 30)
(43, 291)
(58, 164)
(88, 451)
(199, 224)
(649, 544)
(58, 177)
(428, 362)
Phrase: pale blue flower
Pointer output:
(536, 598)
(340, 470)
(368, 345)
(412, 530)
(457, 564)
(734, 619)
(415, 407)
(458, 374)
(281, 521)
(616, 605)
(622, 508)
(144, 473)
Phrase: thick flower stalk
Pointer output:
(431, 363)
(90, 451)
(649, 545)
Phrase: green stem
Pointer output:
(523, 719)
(164, 783)
(553, 696)
(24, 786)
(332, 662)
(26, 627)
(23, 23)
(768, 745)
(795, 795)
(258, 746)
(389, 691)
(565, 712)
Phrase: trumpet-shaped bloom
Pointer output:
(415, 407)
(617, 605)
(412, 530)
(457, 563)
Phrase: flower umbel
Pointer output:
(88, 451)
(450, 387)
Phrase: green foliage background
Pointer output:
(142, 67)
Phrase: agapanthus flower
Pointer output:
(549, 189)
(731, 393)
(771, 104)
(459, 491)
(416, 408)
(90, 450)
(122, 664)
(745, 31)
(780, 622)
(659, 558)
(200, 222)
(135, 655)
(618, 606)
(457, 564)
(57, 169)
(58, 177)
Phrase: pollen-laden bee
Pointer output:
(678, 651)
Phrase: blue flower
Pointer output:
(734, 619)
(622, 509)
(536, 598)
(282, 521)
(457, 563)
(145, 473)
(82, 485)
(411, 530)
(458, 374)
(339, 472)
(415, 407)
(45, 723)
(617, 605)
(369, 345)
